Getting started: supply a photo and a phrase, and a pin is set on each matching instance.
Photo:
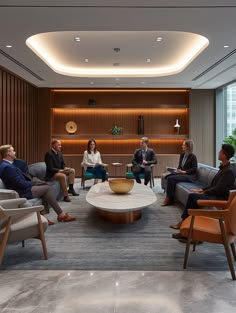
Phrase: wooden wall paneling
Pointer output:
(44, 122)
(4, 107)
(163, 160)
(1, 108)
(120, 98)
(8, 107)
(12, 108)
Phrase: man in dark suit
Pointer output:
(142, 160)
(56, 169)
(13, 177)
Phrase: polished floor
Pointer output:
(65, 291)
(116, 292)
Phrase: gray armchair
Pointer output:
(18, 223)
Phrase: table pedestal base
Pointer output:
(121, 217)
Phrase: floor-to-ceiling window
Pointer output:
(230, 109)
(225, 113)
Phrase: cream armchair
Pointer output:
(18, 223)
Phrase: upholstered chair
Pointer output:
(212, 225)
(18, 223)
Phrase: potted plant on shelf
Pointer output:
(116, 130)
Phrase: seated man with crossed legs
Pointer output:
(56, 169)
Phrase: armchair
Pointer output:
(86, 175)
(20, 223)
(130, 175)
(214, 226)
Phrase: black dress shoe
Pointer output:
(67, 199)
(72, 192)
(178, 236)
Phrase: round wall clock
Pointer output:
(71, 127)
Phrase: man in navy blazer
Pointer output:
(15, 179)
(142, 159)
(56, 169)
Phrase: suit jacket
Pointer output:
(15, 179)
(222, 183)
(150, 157)
(190, 166)
(54, 163)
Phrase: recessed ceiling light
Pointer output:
(77, 38)
(159, 39)
(86, 60)
(117, 79)
(8, 46)
(142, 83)
(226, 46)
(148, 60)
(91, 83)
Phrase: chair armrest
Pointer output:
(12, 203)
(105, 164)
(217, 214)
(129, 165)
(17, 212)
(8, 194)
(213, 203)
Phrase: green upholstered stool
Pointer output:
(86, 175)
(130, 174)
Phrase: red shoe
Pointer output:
(50, 222)
(66, 218)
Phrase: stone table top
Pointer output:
(102, 197)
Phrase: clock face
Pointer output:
(71, 127)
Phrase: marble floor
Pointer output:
(116, 292)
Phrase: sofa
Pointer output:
(204, 177)
(37, 170)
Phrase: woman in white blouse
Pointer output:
(92, 162)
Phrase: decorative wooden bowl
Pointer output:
(121, 185)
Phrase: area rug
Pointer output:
(91, 243)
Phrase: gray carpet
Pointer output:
(91, 243)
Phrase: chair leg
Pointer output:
(41, 236)
(227, 251)
(233, 250)
(5, 238)
(23, 243)
(188, 243)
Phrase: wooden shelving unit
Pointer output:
(96, 121)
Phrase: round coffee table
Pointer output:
(120, 208)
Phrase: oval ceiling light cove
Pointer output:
(61, 53)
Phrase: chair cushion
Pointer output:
(130, 175)
(88, 175)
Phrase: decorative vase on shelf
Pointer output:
(140, 125)
(177, 127)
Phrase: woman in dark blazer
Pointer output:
(185, 171)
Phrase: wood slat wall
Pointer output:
(19, 116)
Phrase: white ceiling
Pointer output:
(215, 20)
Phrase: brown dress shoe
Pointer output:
(176, 226)
(50, 223)
(67, 199)
(66, 218)
(166, 202)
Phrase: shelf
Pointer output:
(105, 137)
